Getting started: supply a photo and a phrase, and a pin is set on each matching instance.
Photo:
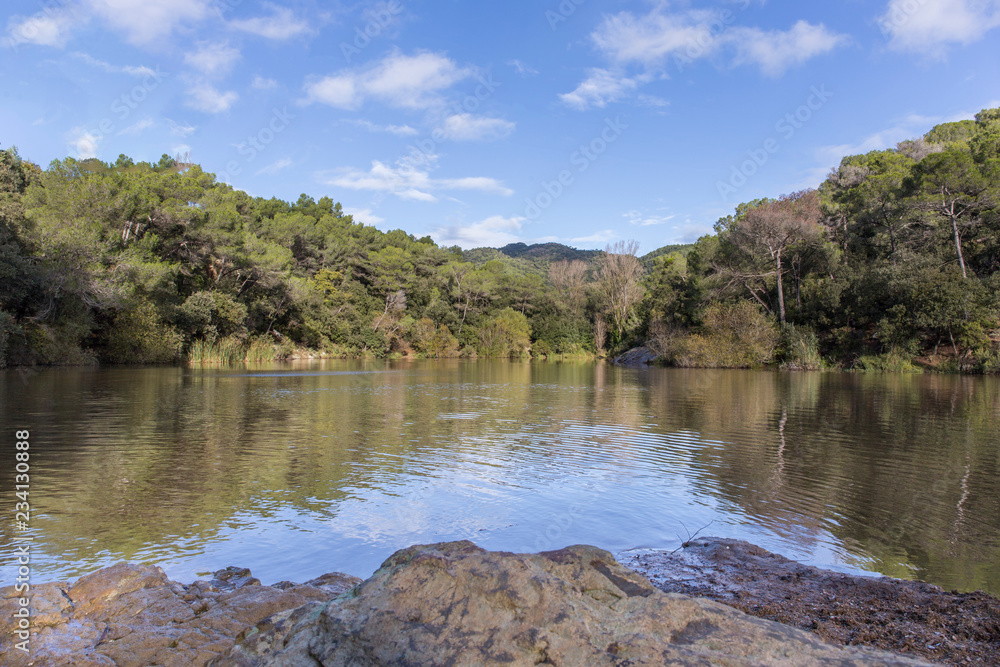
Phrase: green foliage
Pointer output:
(732, 335)
(895, 256)
(889, 362)
(138, 336)
(507, 334)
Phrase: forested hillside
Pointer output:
(894, 259)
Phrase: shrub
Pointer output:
(733, 335)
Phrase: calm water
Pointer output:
(294, 471)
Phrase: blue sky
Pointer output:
(485, 123)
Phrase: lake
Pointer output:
(299, 469)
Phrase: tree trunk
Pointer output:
(958, 244)
(781, 289)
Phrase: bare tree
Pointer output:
(569, 278)
(773, 227)
(619, 271)
(600, 332)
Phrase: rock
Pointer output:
(906, 617)
(456, 604)
(133, 615)
(637, 356)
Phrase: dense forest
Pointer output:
(892, 263)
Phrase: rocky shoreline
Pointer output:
(457, 604)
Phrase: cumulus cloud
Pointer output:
(84, 143)
(281, 25)
(410, 183)
(52, 27)
(213, 59)
(493, 232)
(411, 82)
(364, 215)
(146, 22)
(205, 97)
(930, 25)
(601, 87)
(656, 41)
(469, 127)
(774, 51)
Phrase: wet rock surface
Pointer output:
(456, 604)
(905, 617)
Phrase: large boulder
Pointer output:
(456, 604)
(133, 615)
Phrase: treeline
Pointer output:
(153, 263)
(894, 258)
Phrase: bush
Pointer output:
(801, 349)
(889, 362)
(733, 335)
(508, 334)
(139, 337)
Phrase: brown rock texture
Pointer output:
(456, 604)
(133, 615)
(905, 617)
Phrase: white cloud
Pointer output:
(137, 128)
(146, 22)
(364, 215)
(774, 51)
(213, 59)
(412, 82)
(660, 39)
(493, 232)
(281, 25)
(410, 183)
(597, 239)
(651, 38)
(275, 167)
(468, 127)
(262, 83)
(599, 88)
(140, 71)
(179, 130)
(48, 28)
(522, 69)
(929, 25)
(205, 97)
(398, 130)
(84, 143)
(639, 219)
(340, 92)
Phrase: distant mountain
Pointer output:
(552, 252)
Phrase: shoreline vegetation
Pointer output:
(892, 264)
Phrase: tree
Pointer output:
(619, 272)
(569, 279)
(770, 229)
(951, 185)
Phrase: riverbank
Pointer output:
(568, 605)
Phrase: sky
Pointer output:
(486, 123)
